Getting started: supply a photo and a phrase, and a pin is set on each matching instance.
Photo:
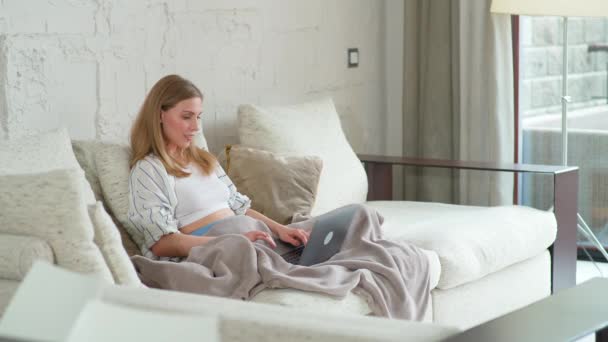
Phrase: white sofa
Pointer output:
(425, 224)
(85, 308)
(485, 261)
(491, 260)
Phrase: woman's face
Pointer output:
(181, 123)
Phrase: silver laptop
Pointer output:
(326, 238)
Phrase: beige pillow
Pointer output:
(51, 206)
(279, 186)
(109, 241)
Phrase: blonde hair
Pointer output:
(147, 135)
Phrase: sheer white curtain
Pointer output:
(458, 99)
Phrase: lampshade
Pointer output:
(562, 8)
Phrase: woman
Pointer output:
(178, 191)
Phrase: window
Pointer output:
(540, 91)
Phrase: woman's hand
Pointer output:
(256, 235)
(293, 236)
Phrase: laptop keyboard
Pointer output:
(293, 256)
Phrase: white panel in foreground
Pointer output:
(101, 322)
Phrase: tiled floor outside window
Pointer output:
(585, 270)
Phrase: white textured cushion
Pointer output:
(112, 163)
(40, 153)
(309, 129)
(18, 253)
(85, 151)
(434, 268)
(108, 239)
(471, 242)
(494, 295)
(51, 206)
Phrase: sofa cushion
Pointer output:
(109, 241)
(112, 162)
(434, 268)
(494, 295)
(85, 151)
(310, 301)
(18, 253)
(279, 186)
(51, 206)
(471, 241)
(40, 153)
(309, 129)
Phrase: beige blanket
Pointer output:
(392, 276)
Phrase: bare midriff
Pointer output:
(218, 215)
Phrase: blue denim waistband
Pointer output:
(203, 230)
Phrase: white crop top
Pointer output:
(199, 195)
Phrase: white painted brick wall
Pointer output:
(88, 64)
(541, 63)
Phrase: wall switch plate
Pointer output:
(353, 57)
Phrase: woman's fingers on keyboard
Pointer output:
(256, 235)
(302, 236)
(266, 237)
(270, 240)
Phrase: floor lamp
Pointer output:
(565, 9)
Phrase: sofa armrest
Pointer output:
(565, 197)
